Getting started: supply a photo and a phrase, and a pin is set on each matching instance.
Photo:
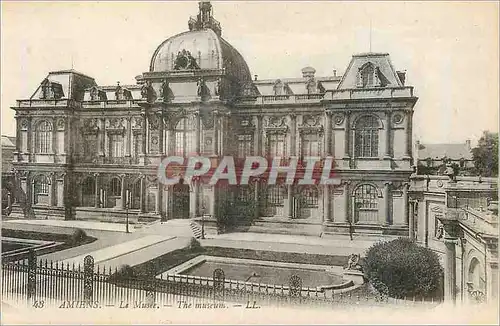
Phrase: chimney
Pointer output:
(334, 72)
(308, 72)
(402, 76)
(255, 77)
(467, 143)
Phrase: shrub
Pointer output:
(400, 268)
(125, 272)
(78, 236)
(194, 244)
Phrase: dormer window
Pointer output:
(278, 87)
(370, 76)
(51, 90)
(281, 88)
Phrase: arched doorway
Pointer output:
(180, 200)
(476, 282)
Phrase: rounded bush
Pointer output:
(401, 268)
(78, 236)
(125, 272)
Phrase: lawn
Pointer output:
(67, 241)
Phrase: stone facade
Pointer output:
(459, 220)
(90, 151)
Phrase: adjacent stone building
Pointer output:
(85, 150)
(458, 218)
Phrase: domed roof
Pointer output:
(201, 47)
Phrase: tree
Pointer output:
(401, 268)
(485, 155)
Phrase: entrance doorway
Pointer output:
(180, 200)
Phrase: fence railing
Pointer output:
(39, 282)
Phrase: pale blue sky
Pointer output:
(449, 49)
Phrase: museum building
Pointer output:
(87, 151)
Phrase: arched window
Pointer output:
(366, 204)
(41, 190)
(43, 137)
(116, 187)
(366, 137)
(185, 137)
(367, 75)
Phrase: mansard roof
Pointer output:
(381, 61)
(439, 151)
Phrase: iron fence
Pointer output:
(40, 282)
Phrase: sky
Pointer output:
(448, 49)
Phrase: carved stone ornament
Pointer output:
(185, 61)
(24, 124)
(311, 120)
(114, 123)
(397, 118)
(61, 124)
(275, 121)
(137, 123)
(338, 119)
(90, 126)
(154, 122)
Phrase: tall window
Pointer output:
(366, 204)
(245, 194)
(185, 137)
(116, 187)
(275, 195)
(244, 145)
(277, 145)
(310, 197)
(366, 137)
(88, 186)
(43, 137)
(41, 190)
(90, 145)
(311, 145)
(116, 145)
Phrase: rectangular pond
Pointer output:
(257, 271)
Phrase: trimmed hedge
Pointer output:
(401, 268)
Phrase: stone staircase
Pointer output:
(196, 229)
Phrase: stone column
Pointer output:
(257, 197)
(142, 205)
(29, 147)
(123, 194)
(450, 270)
(405, 203)
(411, 221)
(290, 201)
(52, 189)
(347, 199)
(327, 214)
(216, 133)
(96, 190)
(161, 134)
(293, 134)
(451, 232)
(347, 135)
(198, 132)
(171, 142)
(387, 201)
(144, 134)
(100, 137)
(128, 137)
(222, 131)
(159, 200)
(388, 151)
(54, 136)
(258, 137)
(328, 134)
(409, 131)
